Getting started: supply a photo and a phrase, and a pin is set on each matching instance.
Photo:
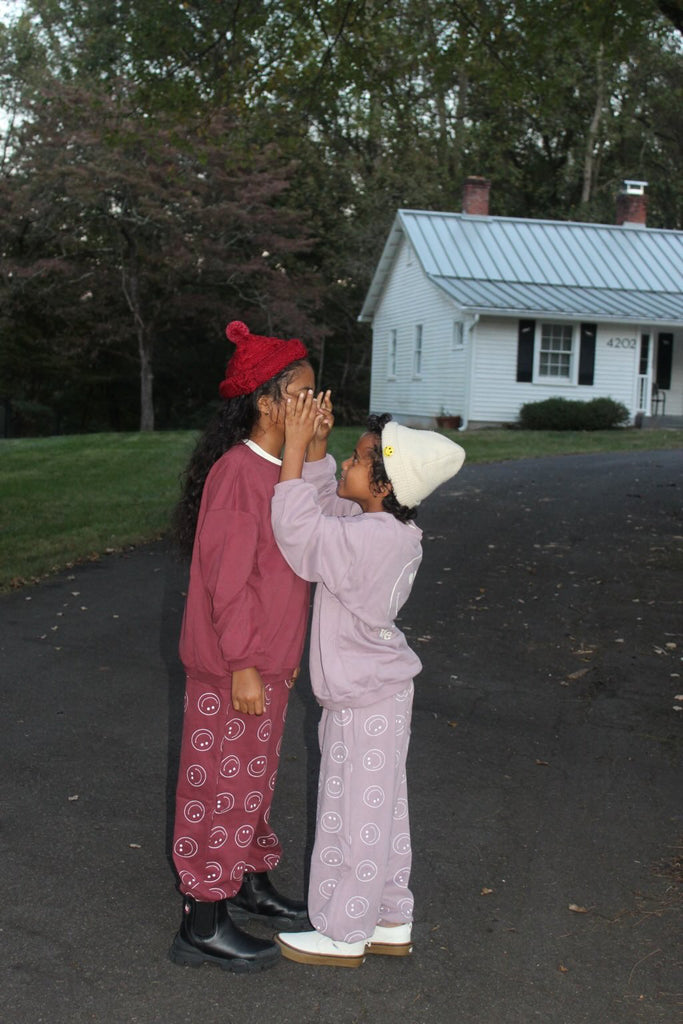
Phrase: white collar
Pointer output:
(260, 451)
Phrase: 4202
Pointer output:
(621, 343)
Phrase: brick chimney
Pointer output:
(475, 196)
(632, 204)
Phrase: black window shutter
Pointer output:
(665, 347)
(525, 350)
(587, 353)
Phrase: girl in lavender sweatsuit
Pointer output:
(358, 541)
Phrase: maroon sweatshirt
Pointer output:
(245, 607)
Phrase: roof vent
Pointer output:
(632, 203)
(475, 196)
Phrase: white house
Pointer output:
(473, 315)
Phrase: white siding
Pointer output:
(497, 396)
(616, 369)
(409, 299)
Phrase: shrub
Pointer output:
(568, 414)
(604, 414)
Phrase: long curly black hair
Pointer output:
(233, 423)
(390, 503)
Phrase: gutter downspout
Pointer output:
(471, 324)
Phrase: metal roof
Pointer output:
(504, 265)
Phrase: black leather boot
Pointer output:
(258, 899)
(207, 935)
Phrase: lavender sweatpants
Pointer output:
(361, 859)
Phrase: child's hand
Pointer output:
(326, 422)
(248, 692)
(302, 419)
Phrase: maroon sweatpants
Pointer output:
(226, 779)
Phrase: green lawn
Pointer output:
(67, 499)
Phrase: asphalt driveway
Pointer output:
(545, 774)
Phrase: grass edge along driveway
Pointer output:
(69, 499)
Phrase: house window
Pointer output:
(417, 351)
(555, 354)
(554, 359)
(457, 340)
(392, 352)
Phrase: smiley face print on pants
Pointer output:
(331, 822)
(370, 833)
(213, 871)
(218, 837)
(253, 801)
(376, 725)
(401, 844)
(374, 760)
(257, 766)
(234, 729)
(357, 906)
(230, 766)
(332, 856)
(196, 775)
(334, 787)
(202, 739)
(244, 835)
(265, 730)
(209, 704)
(373, 796)
(366, 871)
(224, 803)
(194, 811)
(185, 846)
(339, 752)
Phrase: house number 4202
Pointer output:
(621, 343)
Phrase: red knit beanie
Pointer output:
(256, 360)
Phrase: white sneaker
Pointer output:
(316, 948)
(390, 941)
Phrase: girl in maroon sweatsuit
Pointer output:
(242, 637)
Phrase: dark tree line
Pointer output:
(168, 166)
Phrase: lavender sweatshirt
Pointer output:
(364, 565)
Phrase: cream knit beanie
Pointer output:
(417, 461)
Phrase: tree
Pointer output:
(152, 224)
(369, 106)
